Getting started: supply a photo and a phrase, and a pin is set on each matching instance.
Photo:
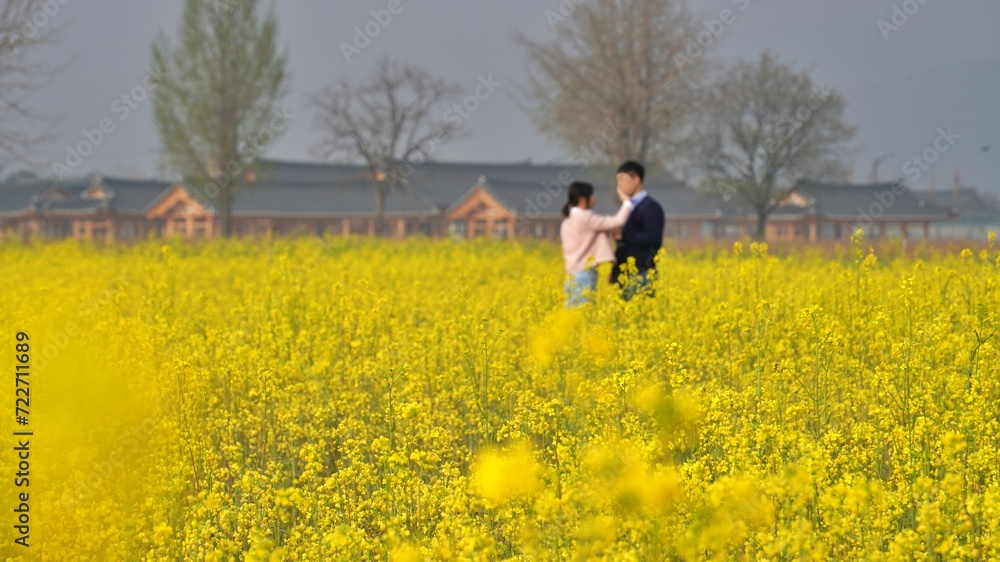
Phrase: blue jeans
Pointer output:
(580, 287)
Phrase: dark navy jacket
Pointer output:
(642, 236)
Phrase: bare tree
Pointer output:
(25, 25)
(386, 121)
(216, 98)
(619, 77)
(766, 127)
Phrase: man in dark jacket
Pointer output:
(642, 236)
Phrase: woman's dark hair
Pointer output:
(578, 191)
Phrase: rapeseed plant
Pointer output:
(348, 399)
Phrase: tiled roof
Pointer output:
(523, 187)
(132, 197)
(321, 200)
(677, 202)
(967, 203)
(852, 201)
(21, 197)
(689, 203)
(135, 197)
(280, 171)
(292, 189)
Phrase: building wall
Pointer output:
(100, 228)
(395, 227)
(478, 216)
(957, 230)
(481, 216)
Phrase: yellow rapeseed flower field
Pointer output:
(350, 399)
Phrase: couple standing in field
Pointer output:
(637, 227)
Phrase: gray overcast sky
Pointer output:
(940, 69)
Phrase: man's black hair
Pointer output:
(633, 168)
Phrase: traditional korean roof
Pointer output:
(80, 196)
(323, 200)
(893, 201)
(21, 197)
(525, 188)
(300, 189)
(966, 203)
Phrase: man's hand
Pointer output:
(617, 233)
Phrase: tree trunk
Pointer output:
(232, 180)
(226, 208)
(761, 226)
(380, 189)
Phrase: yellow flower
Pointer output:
(858, 237)
(561, 333)
(503, 475)
(405, 553)
(220, 402)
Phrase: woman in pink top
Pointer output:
(585, 241)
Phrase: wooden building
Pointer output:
(822, 211)
(92, 208)
(973, 215)
(439, 199)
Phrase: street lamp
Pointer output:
(878, 161)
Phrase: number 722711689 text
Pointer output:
(22, 384)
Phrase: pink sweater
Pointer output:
(584, 236)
